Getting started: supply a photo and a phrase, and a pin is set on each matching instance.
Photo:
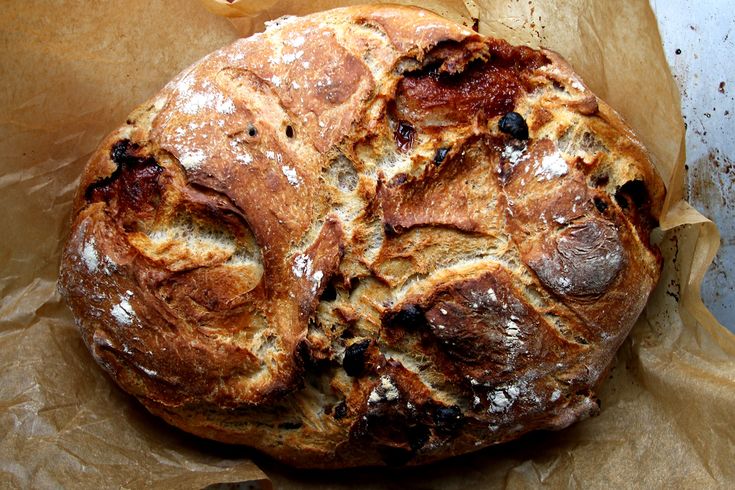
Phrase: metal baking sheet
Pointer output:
(699, 38)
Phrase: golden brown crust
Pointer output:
(317, 242)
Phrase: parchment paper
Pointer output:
(71, 72)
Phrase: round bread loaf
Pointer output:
(367, 236)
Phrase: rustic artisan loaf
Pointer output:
(366, 236)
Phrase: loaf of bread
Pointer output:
(367, 236)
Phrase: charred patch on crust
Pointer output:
(634, 200)
(409, 317)
(395, 455)
(400, 433)
(418, 436)
(134, 185)
(396, 435)
(458, 89)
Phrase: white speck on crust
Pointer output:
(491, 294)
(270, 155)
(196, 102)
(577, 85)
(274, 60)
(296, 42)
(302, 266)
(291, 57)
(244, 158)
(391, 392)
(317, 280)
(291, 175)
(499, 401)
(385, 391)
(123, 312)
(374, 396)
(89, 255)
(502, 399)
(555, 395)
(444, 312)
(149, 372)
(193, 159)
(108, 265)
(276, 80)
(225, 106)
(427, 27)
(101, 341)
(551, 166)
(184, 85)
(511, 329)
(318, 276)
(515, 155)
(281, 21)
(295, 85)
(305, 64)
(513, 392)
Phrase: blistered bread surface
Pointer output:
(318, 242)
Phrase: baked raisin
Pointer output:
(441, 154)
(514, 124)
(340, 410)
(448, 419)
(404, 135)
(355, 357)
